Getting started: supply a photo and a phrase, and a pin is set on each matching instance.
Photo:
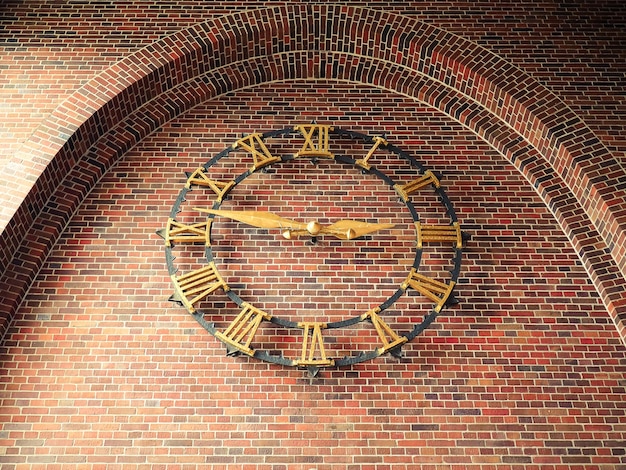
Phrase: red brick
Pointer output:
(526, 371)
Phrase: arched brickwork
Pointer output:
(572, 171)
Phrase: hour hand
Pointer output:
(350, 229)
(346, 229)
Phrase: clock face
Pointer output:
(313, 246)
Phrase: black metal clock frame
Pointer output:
(391, 344)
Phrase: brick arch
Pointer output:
(572, 171)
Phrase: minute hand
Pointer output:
(260, 219)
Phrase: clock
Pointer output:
(263, 236)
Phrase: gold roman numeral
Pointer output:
(388, 337)
(406, 190)
(194, 286)
(199, 178)
(241, 331)
(254, 144)
(313, 330)
(316, 142)
(437, 291)
(176, 232)
(439, 233)
(363, 162)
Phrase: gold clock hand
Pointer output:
(350, 229)
(259, 219)
(343, 229)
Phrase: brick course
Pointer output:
(528, 370)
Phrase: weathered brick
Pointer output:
(526, 371)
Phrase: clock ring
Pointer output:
(192, 286)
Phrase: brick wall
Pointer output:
(100, 369)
